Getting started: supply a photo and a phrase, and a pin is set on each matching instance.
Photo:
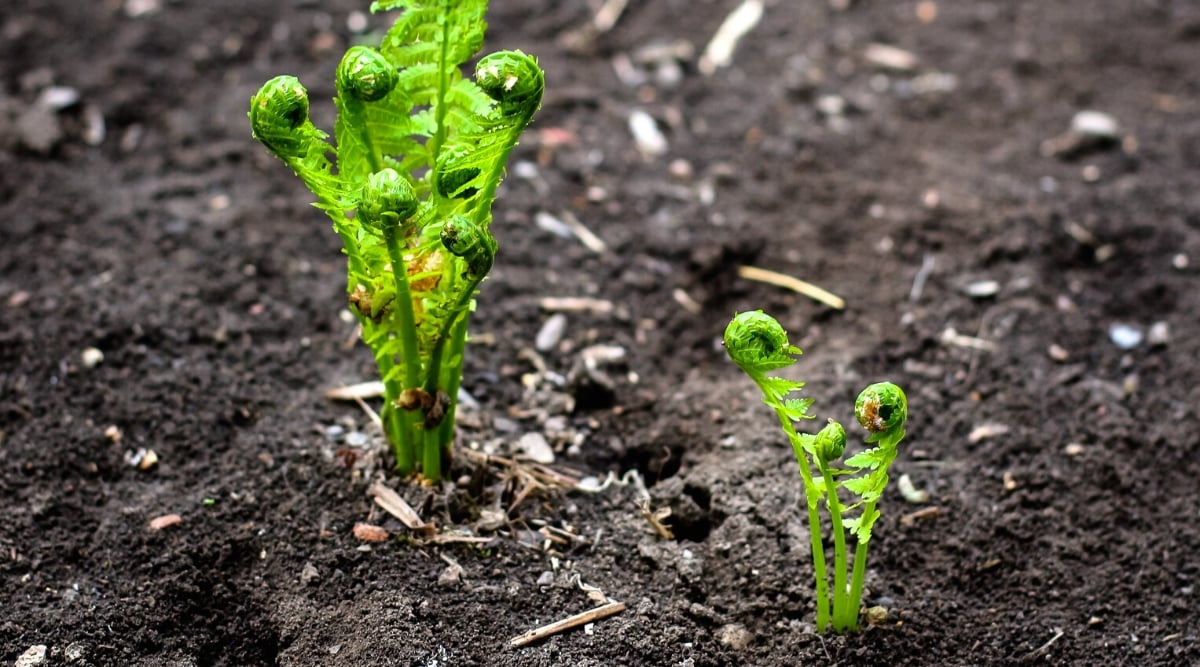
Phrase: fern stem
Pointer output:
(814, 520)
(854, 600)
(840, 603)
(409, 352)
(453, 380)
(357, 120)
(483, 204)
(458, 312)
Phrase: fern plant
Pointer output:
(758, 345)
(409, 183)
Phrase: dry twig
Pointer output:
(795, 284)
(538, 634)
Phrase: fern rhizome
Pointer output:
(409, 186)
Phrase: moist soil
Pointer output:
(1035, 293)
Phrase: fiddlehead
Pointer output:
(513, 79)
(882, 409)
(388, 200)
(366, 74)
(279, 117)
(472, 242)
(757, 343)
(830, 442)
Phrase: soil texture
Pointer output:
(165, 287)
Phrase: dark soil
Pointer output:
(1064, 468)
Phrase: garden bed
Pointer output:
(1036, 295)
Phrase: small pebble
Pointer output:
(136, 8)
(73, 652)
(551, 332)
(1091, 173)
(357, 439)
(309, 574)
(831, 105)
(1180, 261)
(735, 636)
(982, 289)
(57, 98)
(1125, 336)
(165, 521)
(39, 129)
(681, 170)
(877, 615)
(365, 532)
(91, 357)
(1095, 124)
(649, 139)
(94, 129)
(356, 22)
(890, 57)
(335, 433)
(505, 425)
(535, 448)
(1159, 334)
(33, 656)
(1057, 352)
(1073, 449)
(546, 578)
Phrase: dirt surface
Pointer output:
(137, 217)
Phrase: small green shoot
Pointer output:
(758, 344)
(420, 151)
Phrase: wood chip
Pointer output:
(952, 337)
(165, 521)
(592, 615)
(607, 16)
(890, 57)
(985, 431)
(393, 504)
(356, 392)
(795, 284)
(927, 513)
(576, 304)
(365, 532)
(719, 52)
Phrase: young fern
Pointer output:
(758, 345)
(420, 151)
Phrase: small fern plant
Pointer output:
(409, 183)
(758, 345)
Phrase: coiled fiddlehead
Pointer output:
(830, 442)
(474, 243)
(366, 74)
(513, 79)
(387, 200)
(882, 409)
(757, 343)
(279, 116)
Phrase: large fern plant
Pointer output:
(419, 153)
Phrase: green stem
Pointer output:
(409, 352)
(841, 622)
(458, 312)
(439, 375)
(860, 568)
(483, 205)
(358, 121)
(453, 380)
(814, 520)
